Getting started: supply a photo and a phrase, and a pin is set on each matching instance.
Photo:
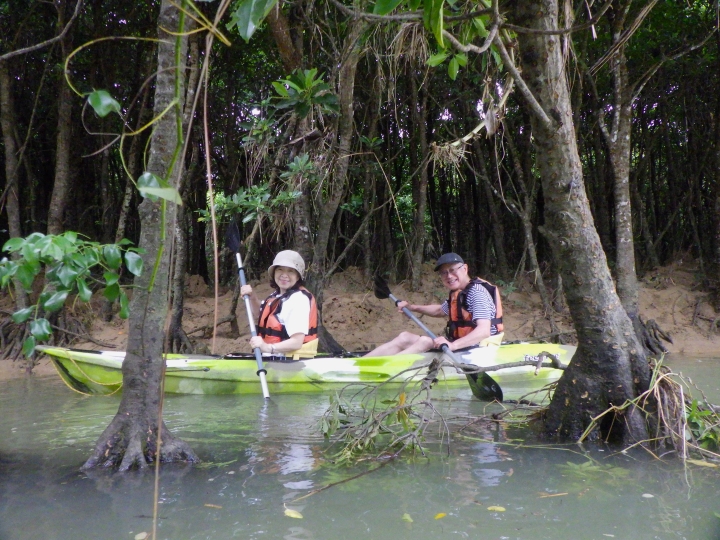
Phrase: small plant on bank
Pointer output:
(71, 266)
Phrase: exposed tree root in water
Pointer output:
(677, 422)
(129, 443)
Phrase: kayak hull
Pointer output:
(100, 372)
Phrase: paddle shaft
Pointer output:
(429, 332)
(258, 353)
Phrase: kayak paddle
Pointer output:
(486, 389)
(233, 239)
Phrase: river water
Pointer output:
(258, 459)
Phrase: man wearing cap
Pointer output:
(471, 311)
(287, 323)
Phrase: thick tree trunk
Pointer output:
(11, 190)
(132, 437)
(609, 366)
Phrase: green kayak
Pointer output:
(99, 372)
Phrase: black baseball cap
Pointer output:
(448, 258)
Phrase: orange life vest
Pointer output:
(461, 323)
(271, 329)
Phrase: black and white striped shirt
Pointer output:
(480, 304)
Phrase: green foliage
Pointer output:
(355, 204)
(371, 144)
(153, 187)
(247, 15)
(103, 103)
(383, 7)
(250, 203)
(261, 130)
(303, 90)
(364, 429)
(68, 263)
(506, 287)
(703, 426)
(299, 169)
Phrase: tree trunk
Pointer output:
(61, 186)
(12, 191)
(619, 146)
(137, 435)
(420, 184)
(317, 276)
(609, 366)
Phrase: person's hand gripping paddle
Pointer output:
(485, 389)
(233, 239)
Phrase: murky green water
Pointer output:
(258, 459)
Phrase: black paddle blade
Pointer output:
(232, 237)
(382, 291)
(484, 387)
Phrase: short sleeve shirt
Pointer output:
(295, 314)
(480, 305)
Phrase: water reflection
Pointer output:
(261, 458)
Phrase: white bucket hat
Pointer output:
(289, 258)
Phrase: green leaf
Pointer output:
(111, 254)
(70, 236)
(111, 278)
(103, 103)
(413, 5)
(111, 292)
(13, 244)
(148, 180)
(437, 59)
(23, 315)
(28, 347)
(134, 263)
(90, 258)
(433, 19)
(124, 303)
(56, 301)
(26, 275)
(480, 29)
(383, 7)
(461, 59)
(168, 193)
(67, 275)
(40, 328)
(453, 68)
(84, 291)
(280, 89)
(249, 15)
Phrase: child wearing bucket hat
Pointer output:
(473, 309)
(287, 319)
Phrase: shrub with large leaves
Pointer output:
(72, 266)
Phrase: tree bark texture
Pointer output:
(131, 440)
(337, 180)
(618, 141)
(11, 190)
(609, 366)
(61, 187)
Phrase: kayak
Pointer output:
(99, 372)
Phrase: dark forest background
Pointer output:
(382, 189)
